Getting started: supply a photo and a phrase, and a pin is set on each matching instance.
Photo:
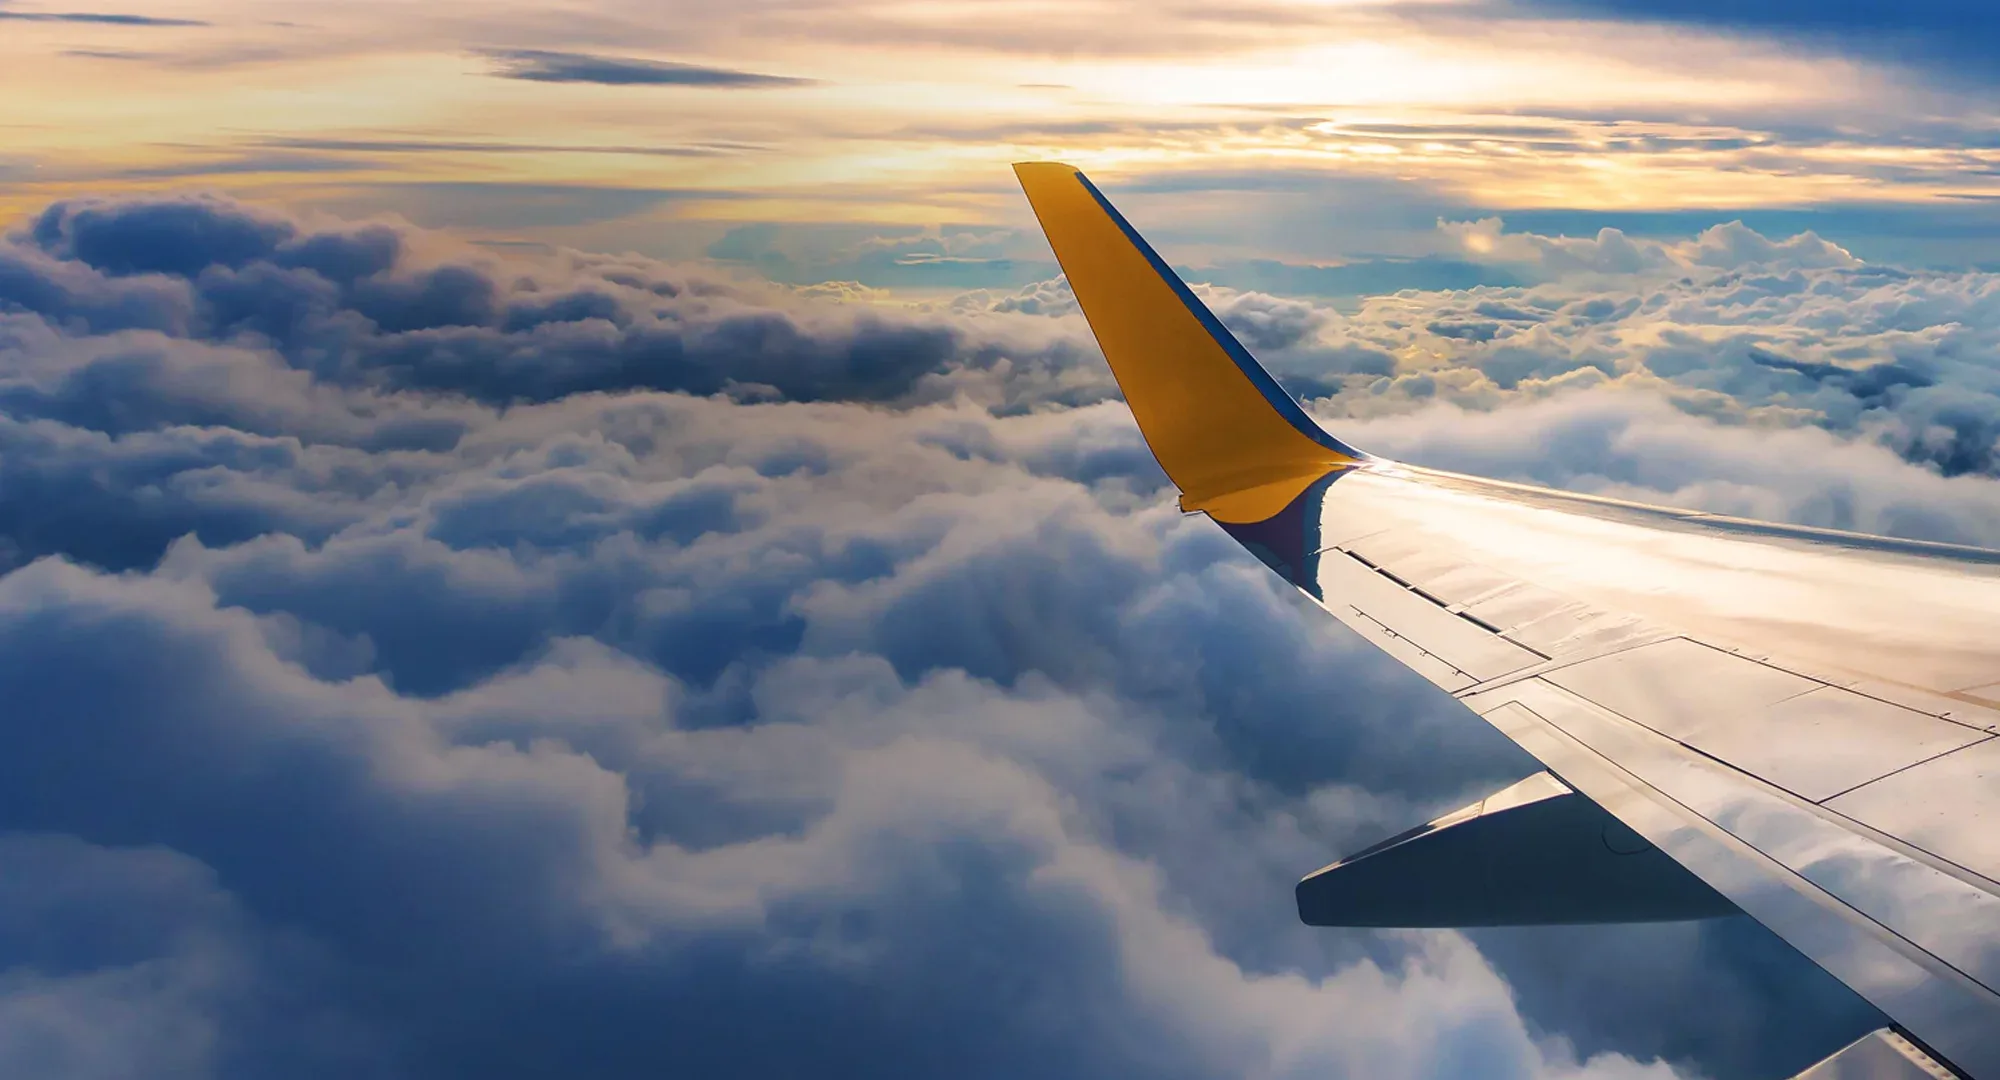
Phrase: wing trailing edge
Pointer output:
(1885, 1054)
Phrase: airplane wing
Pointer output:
(1795, 723)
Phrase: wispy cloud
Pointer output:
(467, 146)
(475, 204)
(545, 65)
(100, 18)
(113, 54)
(247, 165)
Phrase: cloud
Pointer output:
(1618, 442)
(1731, 245)
(799, 831)
(1265, 322)
(1727, 324)
(545, 65)
(113, 54)
(427, 661)
(248, 164)
(361, 307)
(95, 17)
(875, 851)
(123, 956)
(181, 236)
(462, 146)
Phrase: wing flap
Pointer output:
(1948, 806)
(1477, 653)
(1813, 740)
(1535, 853)
(1878, 1055)
(1911, 939)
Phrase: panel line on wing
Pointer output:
(1912, 765)
(1929, 856)
(1560, 662)
(1957, 922)
(1943, 1008)
(1789, 730)
(1438, 602)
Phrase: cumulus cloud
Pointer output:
(1731, 245)
(423, 663)
(1623, 443)
(374, 305)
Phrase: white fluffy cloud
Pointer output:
(1904, 360)
(1728, 246)
(878, 727)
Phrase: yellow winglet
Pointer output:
(1229, 437)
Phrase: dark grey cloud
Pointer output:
(353, 308)
(244, 164)
(425, 662)
(179, 236)
(94, 17)
(545, 65)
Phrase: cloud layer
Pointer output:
(1729, 325)
(428, 663)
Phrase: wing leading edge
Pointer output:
(1803, 720)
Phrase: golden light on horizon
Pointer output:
(912, 120)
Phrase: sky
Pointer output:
(793, 133)
(591, 539)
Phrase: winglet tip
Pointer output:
(1027, 170)
(1224, 430)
